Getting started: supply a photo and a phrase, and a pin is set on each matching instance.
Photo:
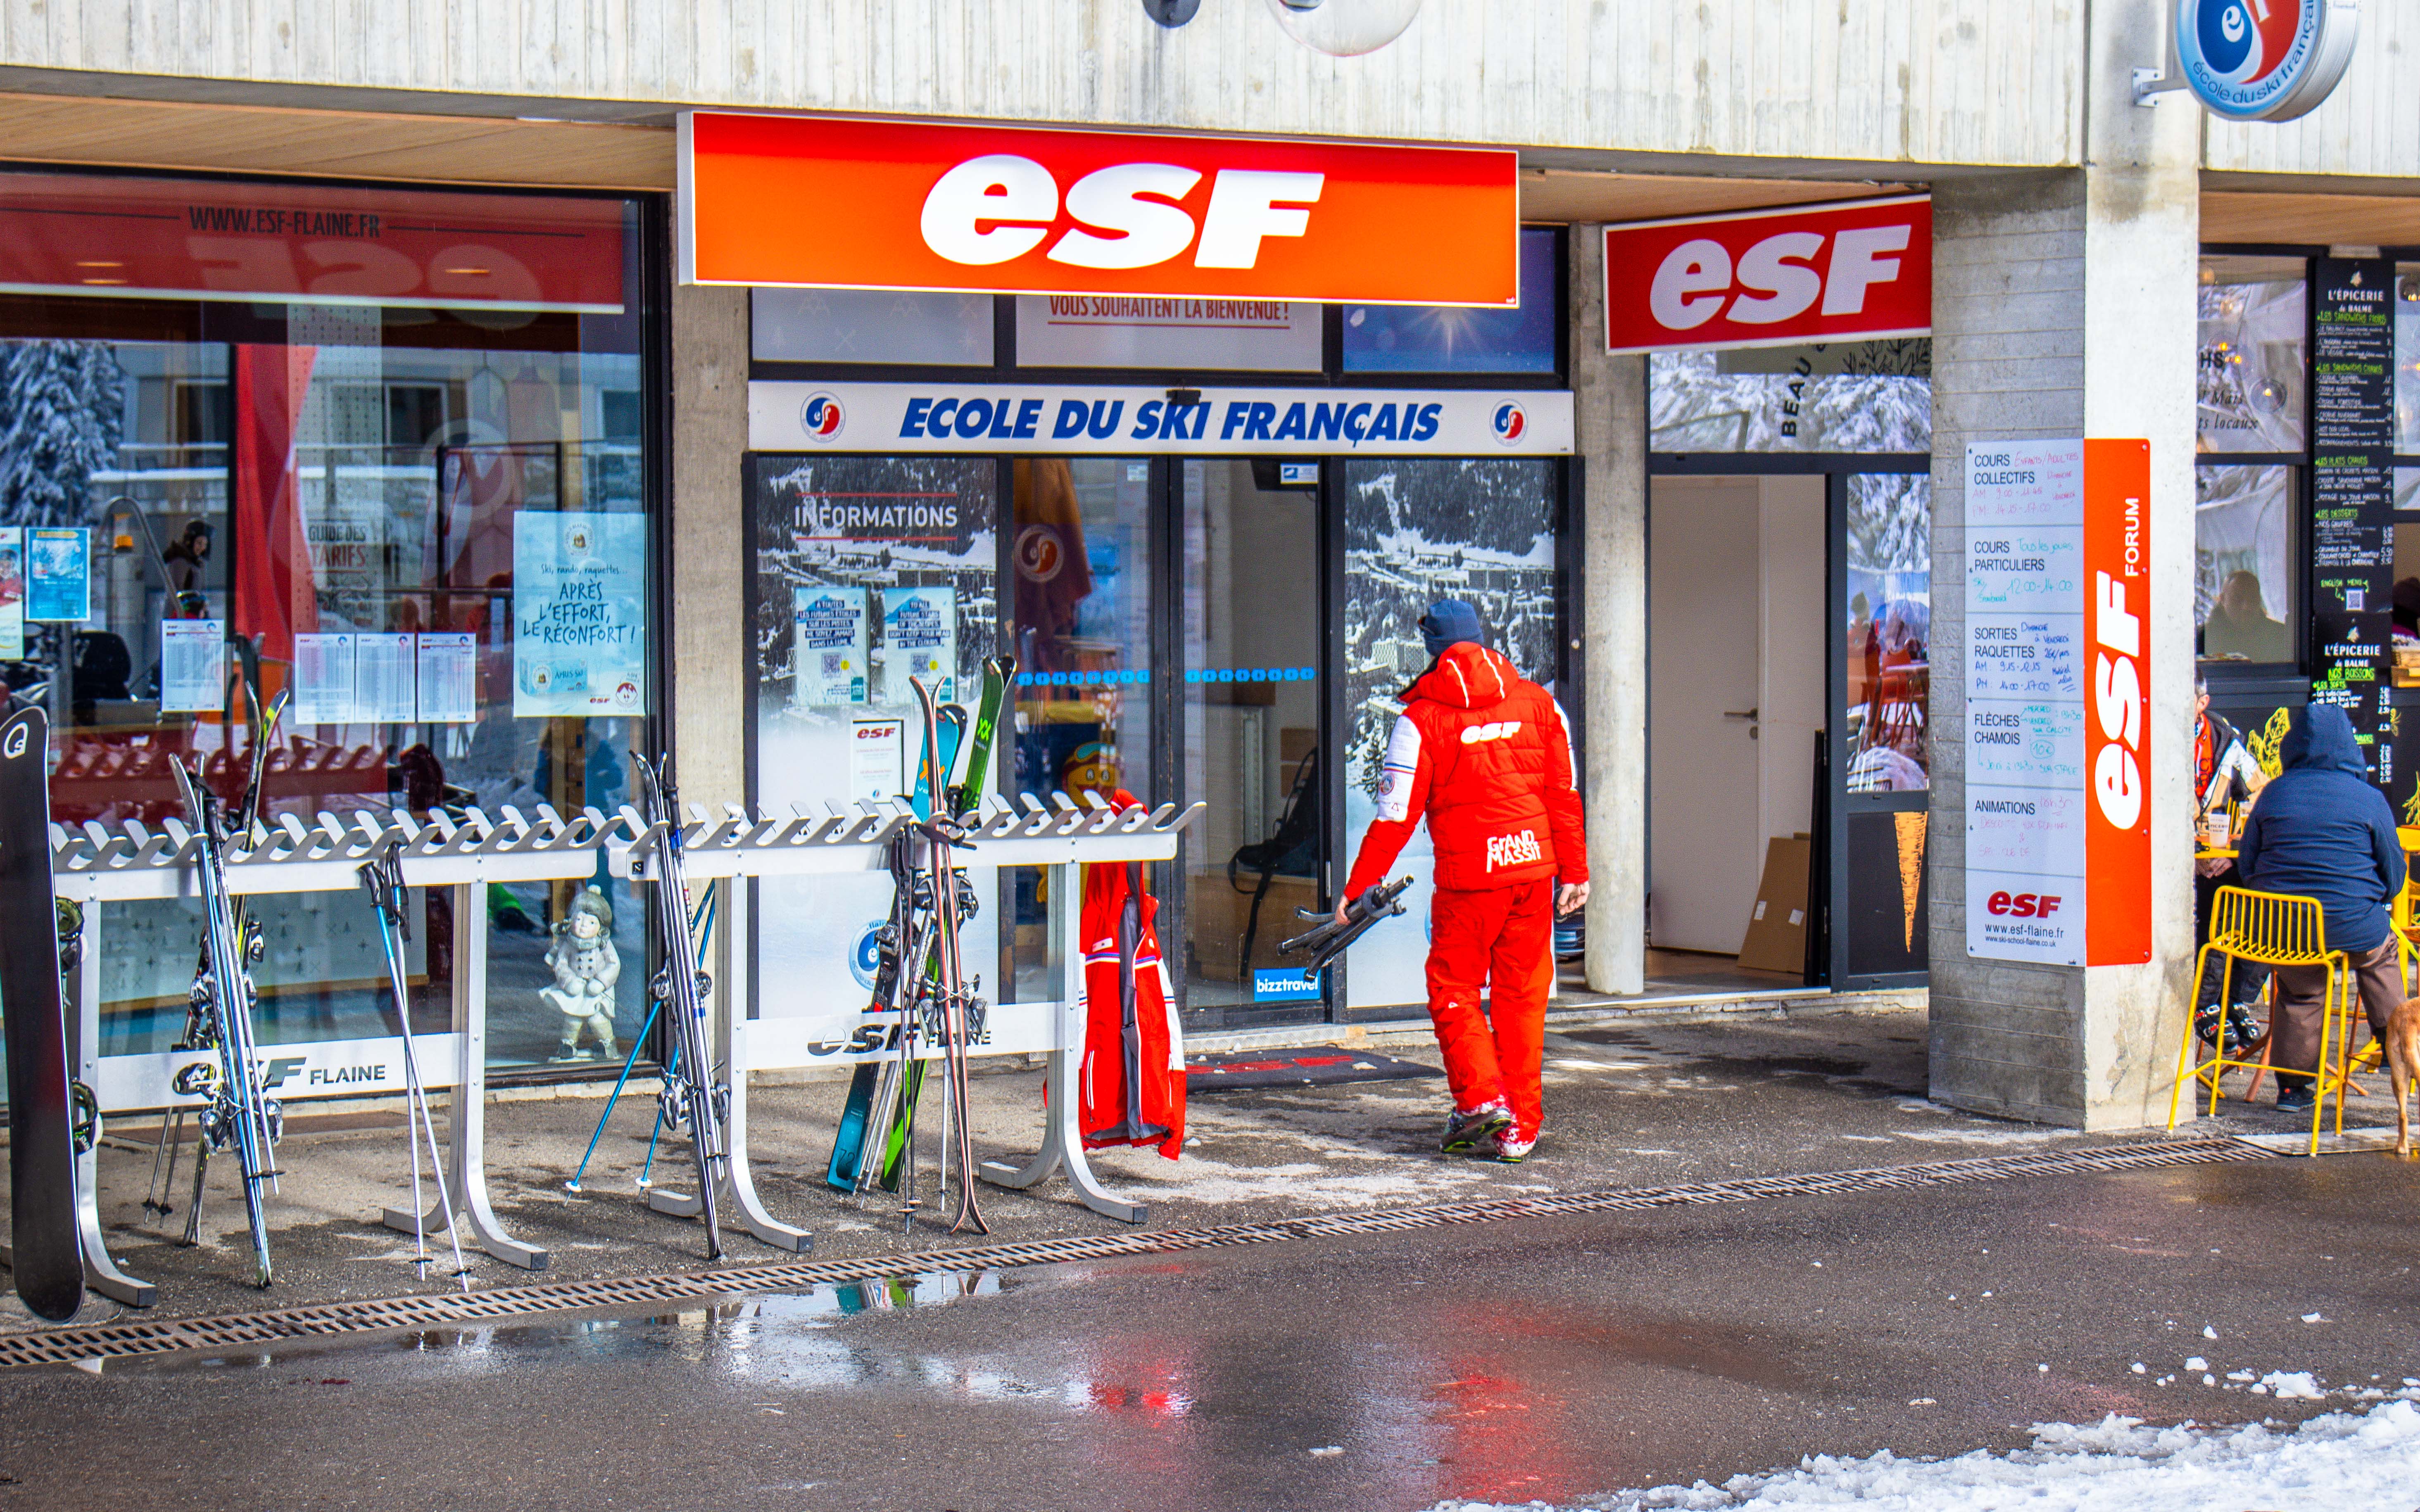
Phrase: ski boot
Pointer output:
(1474, 1132)
(1510, 1149)
(2227, 1033)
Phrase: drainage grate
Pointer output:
(62, 1345)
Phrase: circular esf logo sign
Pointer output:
(1040, 553)
(2264, 60)
(1510, 423)
(821, 417)
(18, 739)
(865, 956)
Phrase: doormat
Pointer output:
(1244, 1070)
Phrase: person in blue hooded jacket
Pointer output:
(2321, 829)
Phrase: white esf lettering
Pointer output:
(1778, 275)
(999, 207)
(1512, 850)
(1473, 733)
(2117, 705)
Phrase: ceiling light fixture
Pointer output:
(1340, 28)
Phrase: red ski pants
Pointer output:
(1503, 937)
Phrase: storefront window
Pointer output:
(2245, 601)
(1890, 630)
(868, 571)
(1869, 396)
(845, 325)
(2407, 361)
(2254, 343)
(1429, 338)
(364, 447)
(1417, 532)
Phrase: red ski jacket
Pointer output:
(1486, 758)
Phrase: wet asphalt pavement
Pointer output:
(1531, 1358)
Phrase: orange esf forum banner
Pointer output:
(812, 202)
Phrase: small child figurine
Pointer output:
(586, 967)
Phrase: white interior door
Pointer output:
(1791, 690)
(1703, 633)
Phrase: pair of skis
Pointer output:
(694, 1100)
(237, 1113)
(1332, 939)
(921, 983)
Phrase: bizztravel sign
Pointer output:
(822, 202)
(1060, 420)
(2264, 60)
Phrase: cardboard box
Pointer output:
(1777, 926)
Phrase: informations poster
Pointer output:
(13, 593)
(920, 638)
(580, 614)
(323, 679)
(2057, 714)
(447, 667)
(831, 645)
(193, 665)
(58, 574)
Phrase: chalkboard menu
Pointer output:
(2352, 550)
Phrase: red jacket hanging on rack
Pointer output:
(1132, 1090)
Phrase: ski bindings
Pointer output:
(1331, 939)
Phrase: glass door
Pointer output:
(1882, 682)
(1251, 696)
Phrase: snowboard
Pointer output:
(47, 1251)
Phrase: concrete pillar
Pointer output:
(2064, 305)
(709, 425)
(1609, 398)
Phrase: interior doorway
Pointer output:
(1737, 694)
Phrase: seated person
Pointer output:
(2322, 829)
(2239, 628)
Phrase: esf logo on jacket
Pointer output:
(1513, 850)
(1503, 730)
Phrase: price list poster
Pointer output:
(2353, 500)
(2057, 557)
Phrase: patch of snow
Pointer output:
(2207, 1331)
(2313, 1318)
(2292, 1386)
(2118, 1465)
(2196, 1363)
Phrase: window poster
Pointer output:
(920, 638)
(13, 593)
(830, 663)
(446, 671)
(193, 665)
(383, 678)
(323, 679)
(580, 614)
(58, 574)
(876, 752)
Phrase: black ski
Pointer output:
(47, 1253)
(693, 1101)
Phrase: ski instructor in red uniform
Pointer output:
(1485, 757)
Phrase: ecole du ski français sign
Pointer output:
(2058, 860)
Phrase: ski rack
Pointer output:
(1063, 834)
(94, 863)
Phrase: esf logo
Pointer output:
(1473, 734)
(865, 956)
(2022, 904)
(2267, 60)
(821, 417)
(998, 208)
(1511, 421)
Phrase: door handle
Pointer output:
(1749, 714)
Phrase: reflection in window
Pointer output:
(846, 325)
(1890, 630)
(2407, 359)
(1441, 338)
(2249, 385)
(1843, 396)
(2244, 593)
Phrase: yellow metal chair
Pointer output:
(2273, 929)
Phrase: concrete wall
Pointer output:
(2063, 306)
(1610, 404)
(709, 364)
(1879, 80)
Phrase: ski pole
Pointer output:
(705, 919)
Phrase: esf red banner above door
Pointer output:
(812, 202)
(1836, 273)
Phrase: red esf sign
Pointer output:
(1773, 278)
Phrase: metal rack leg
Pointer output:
(100, 1272)
(467, 1121)
(730, 1045)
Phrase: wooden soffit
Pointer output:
(2311, 220)
(332, 143)
(1556, 195)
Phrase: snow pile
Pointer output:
(2341, 1460)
